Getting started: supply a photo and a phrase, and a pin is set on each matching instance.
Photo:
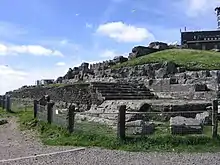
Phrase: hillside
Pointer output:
(190, 59)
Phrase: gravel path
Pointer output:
(15, 144)
(106, 157)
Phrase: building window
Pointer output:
(194, 37)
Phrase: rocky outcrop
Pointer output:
(139, 51)
(119, 59)
(158, 45)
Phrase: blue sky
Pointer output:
(43, 38)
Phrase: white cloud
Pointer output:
(36, 50)
(64, 42)
(195, 8)
(122, 32)
(12, 78)
(110, 54)
(60, 64)
(66, 46)
(88, 25)
(6, 70)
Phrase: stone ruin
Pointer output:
(44, 100)
(155, 87)
(169, 88)
(102, 69)
(139, 51)
(85, 72)
(159, 87)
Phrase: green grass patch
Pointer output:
(55, 85)
(3, 113)
(89, 134)
(190, 59)
(79, 84)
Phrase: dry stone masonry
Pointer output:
(153, 87)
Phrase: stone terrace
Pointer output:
(122, 91)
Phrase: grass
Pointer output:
(79, 84)
(93, 135)
(190, 59)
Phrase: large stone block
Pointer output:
(140, 127)
(201, 87)
(159, 84)
(182, 125)
(204, 118)
(181, 88)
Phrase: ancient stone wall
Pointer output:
(103, 69)
(80, 94)
(42, 113)
(60, 117)
(166, 80)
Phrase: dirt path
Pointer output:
(15, 143)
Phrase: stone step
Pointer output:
(115, 86)
(124, 87)
(106, 83)
(127, 94)
(127, 97)
(122, 90)
(187, 95)
(109, 84)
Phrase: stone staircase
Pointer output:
(122, 91)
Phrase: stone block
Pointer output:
(192, 75)
(201, 87)
(204, 74)
(181, 69)
(174, 80)
(159, 84)
(182, 125)
(204, 118)
(181, 88)
(140, 127)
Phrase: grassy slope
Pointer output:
(102, 137)
(191, 59)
